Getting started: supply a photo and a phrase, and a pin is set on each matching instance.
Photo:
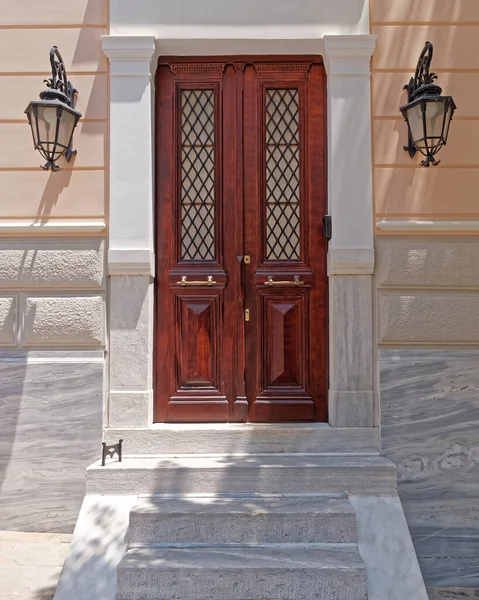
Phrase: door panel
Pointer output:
(241, 196)
(191, 304)
(284, 205)
(199, 330)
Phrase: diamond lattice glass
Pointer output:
(197, 175)
(282, 175)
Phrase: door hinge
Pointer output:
(327, 227)
(246, 314)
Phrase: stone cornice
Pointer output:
(348, 55)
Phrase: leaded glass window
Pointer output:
(197, 175)
(282, 174)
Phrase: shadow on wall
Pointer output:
(56, 183)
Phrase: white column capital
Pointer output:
(348, 55)
(129, 55)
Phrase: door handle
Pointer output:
(296, 281)
(184, 281)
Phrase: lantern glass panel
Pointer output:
(67, 125)
(33, 124)
(48, 123)
(447, 120)
(416, 124)
(435, 120)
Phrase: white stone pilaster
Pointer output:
(351, 249)
(131, 249)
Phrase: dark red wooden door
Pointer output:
(241, 286)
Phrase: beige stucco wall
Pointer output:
(28, 30)
(402, 190)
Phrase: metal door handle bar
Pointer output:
(296, 281)
(184, 281)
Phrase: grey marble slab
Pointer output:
(453, 593)
(430, 430)
(50, 431)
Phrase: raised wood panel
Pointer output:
(198, 326)
(286, 349)
(461, 11)
(27, 50)
(388, 95)
(63, 194)
(52, 12)
(391, 135)
(425, 192)
(17, 91)
(16, 146)
(455, 47)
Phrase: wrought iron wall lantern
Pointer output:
(53, 118)
(427, 113)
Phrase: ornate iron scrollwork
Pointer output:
(59, 80)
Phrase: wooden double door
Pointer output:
(241, 285)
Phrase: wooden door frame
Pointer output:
(234, 191)
(353, 391)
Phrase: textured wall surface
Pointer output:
(50, 423)
(427, 290)
(430, 420)
(53, 292)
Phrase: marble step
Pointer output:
(330, 572)
(243, 438)
(254, 473)
(243, 520)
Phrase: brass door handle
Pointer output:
(184, 281)
(296, 281)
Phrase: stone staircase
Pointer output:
(243, 548)
(243, 513)
(254, 527)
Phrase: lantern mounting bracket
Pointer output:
(423, 80)
(58, 84)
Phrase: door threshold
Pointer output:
(247, 438)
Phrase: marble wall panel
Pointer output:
(430, 425)
(50, 431)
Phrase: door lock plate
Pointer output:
(246, 314)
(247, 259)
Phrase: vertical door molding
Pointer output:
(351, 249)
(131, 229)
